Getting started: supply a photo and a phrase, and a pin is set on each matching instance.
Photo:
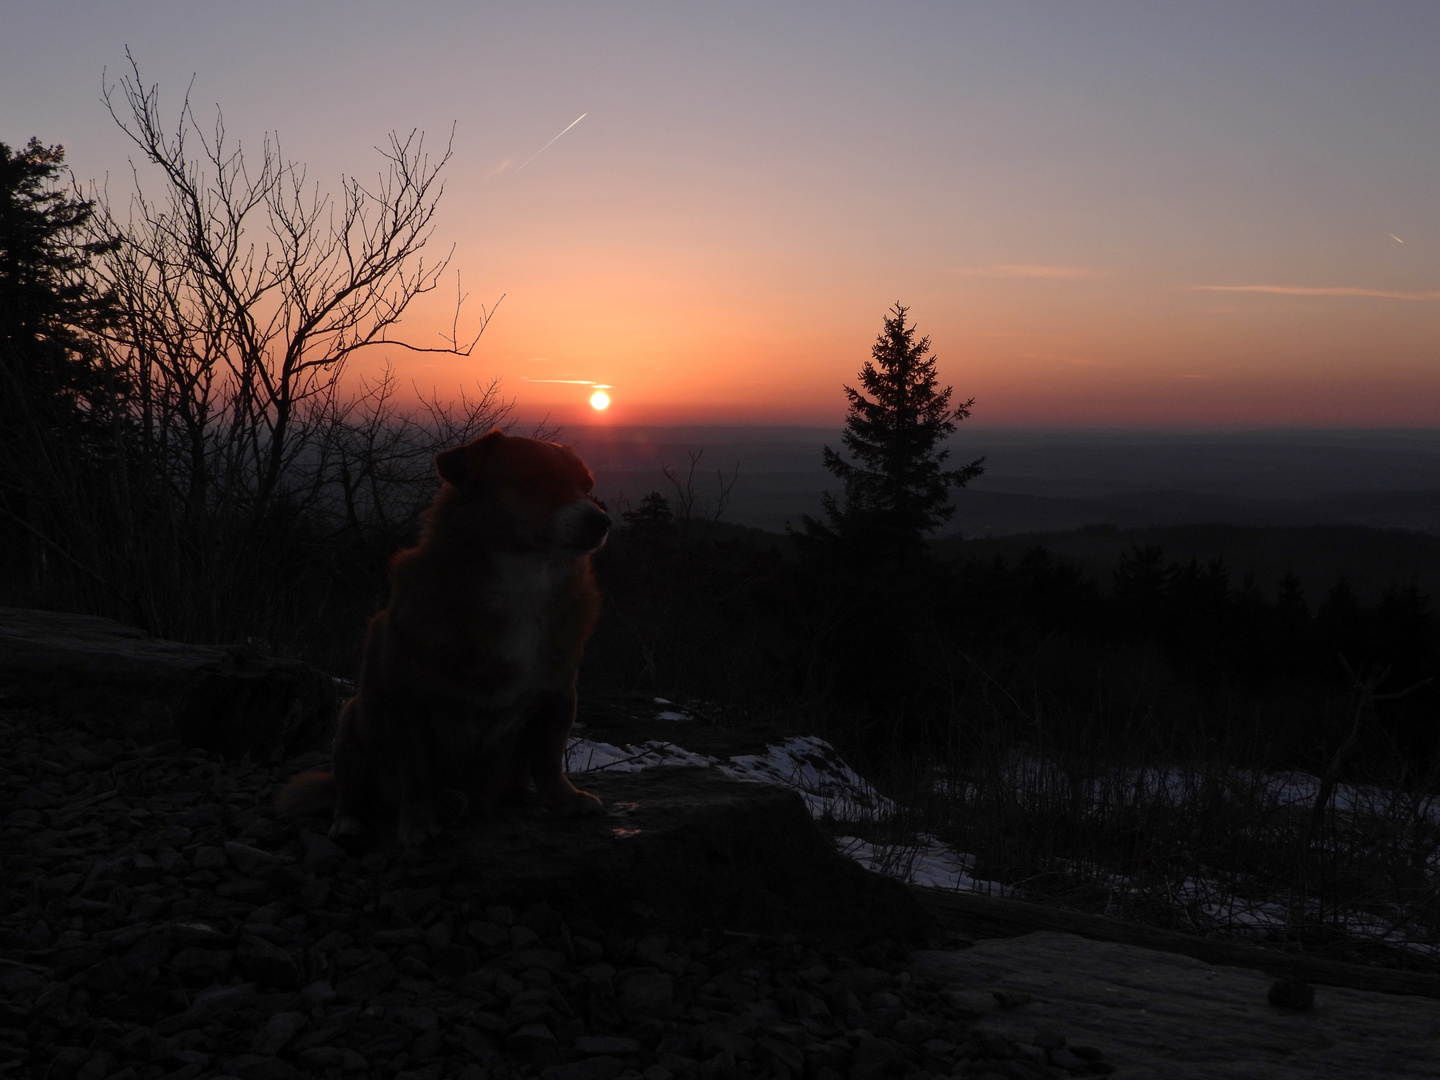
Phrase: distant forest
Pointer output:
(1371, 560)
(1277, 647)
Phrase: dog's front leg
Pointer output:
(419, 819)
(546, 731)
(354, 779)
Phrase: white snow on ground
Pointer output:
(671, 714)
(1234, 914)
(829, 787)
(925, 862)
(811, 766)
(1180, 784)
(1212, 904)
(832, 790)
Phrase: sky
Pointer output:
(1133, 215)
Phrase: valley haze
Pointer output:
(1052, 480)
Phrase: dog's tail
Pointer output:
(310, 793)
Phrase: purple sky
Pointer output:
(1102, 214)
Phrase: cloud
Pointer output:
(504, 166)
(574, 382)
(1028, 270)
(1302, 290)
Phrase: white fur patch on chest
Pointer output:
(523, 596)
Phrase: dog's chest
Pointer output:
(523, 600)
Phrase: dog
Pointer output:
(467, 681)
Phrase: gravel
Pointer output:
(159, 921)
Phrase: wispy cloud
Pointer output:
(1028, 270)
(504, 166)
(1305, 290)
(573, 382)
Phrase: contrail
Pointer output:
(1392, 235)
(551, 143)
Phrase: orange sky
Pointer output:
(679, 342)
(1102, 214)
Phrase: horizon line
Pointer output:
(1135, 428)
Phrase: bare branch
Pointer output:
(246, 290)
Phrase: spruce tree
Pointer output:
(47, 309)
(896, 488)
(57, 401)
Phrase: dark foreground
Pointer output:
(158, 921)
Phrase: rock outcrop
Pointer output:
(1162, 1014)
(687, 850)
(233, 700)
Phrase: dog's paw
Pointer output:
(350, 833)
(451, 806)
(418, 830)
(574, 803)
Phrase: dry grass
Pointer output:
(1210, 845)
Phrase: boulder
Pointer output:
(678, 849)
(1162, 1014)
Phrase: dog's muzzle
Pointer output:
(585, 527)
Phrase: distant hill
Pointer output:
(1039, 481)
(1318, 555)
(1000, 513)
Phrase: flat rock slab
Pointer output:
(68, 650)
(1158, 1014)
(230, 700)
(683, 848)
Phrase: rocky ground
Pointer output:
(159, 921)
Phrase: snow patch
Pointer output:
(830, 789)
(927, 861)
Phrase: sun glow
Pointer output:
(599, 400)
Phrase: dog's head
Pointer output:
(529, 494)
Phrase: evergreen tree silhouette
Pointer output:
(47, 357)
(654, 510)
(896, 488)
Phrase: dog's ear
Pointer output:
(459, 464)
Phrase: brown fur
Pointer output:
(468, 678)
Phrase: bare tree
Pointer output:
(242, 290)
(687, 512)
(248, 290)
(379, 459)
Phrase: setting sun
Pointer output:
(599, 400)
